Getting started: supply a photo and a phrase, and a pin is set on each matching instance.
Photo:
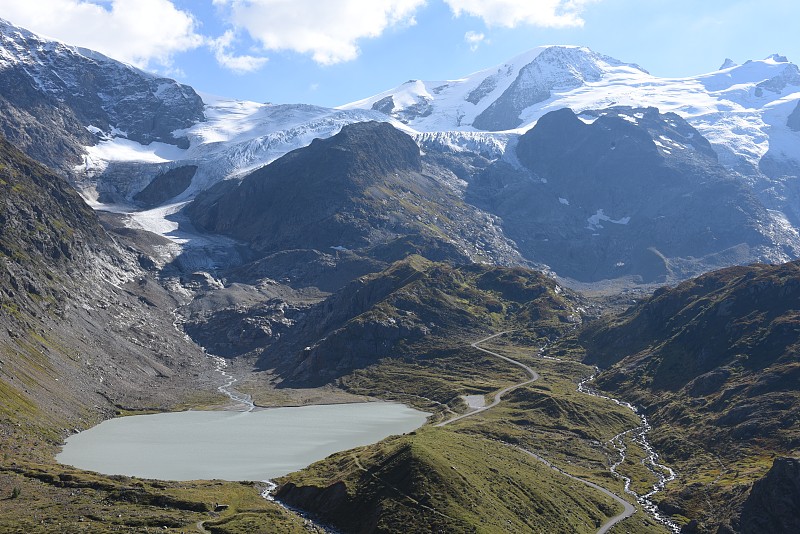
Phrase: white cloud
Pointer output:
(474, 39)
(239, 64)
(512, 13)
(141, 32)
(327, 30)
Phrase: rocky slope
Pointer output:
(774, 501)
(85, 331)
(632, 193)
(793, 122)
(714, 362)
(416, 309)
(86, 96)
(366, 190)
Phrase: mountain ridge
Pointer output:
(366, 189)
(97, 97)
(714, 361)
(320, 246)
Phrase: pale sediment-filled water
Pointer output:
(256, 445)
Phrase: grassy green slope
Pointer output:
(439, 480)
(469, 476)
(715, 363)
(418, 310)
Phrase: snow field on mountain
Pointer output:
(453, 104)
(740, 118)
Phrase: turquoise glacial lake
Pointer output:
(257, 445)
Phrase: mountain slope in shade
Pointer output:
(624, 192)
(83, 330)
(793, 122)
(367, 189)
(235, 139)
(714, 362)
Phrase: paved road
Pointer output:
(534, 376)
(628, 510)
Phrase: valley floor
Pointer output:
(491, 440)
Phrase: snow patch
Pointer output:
(121, 149)
(594, 220)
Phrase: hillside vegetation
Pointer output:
(715, 363)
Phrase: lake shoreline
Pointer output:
(231, 444)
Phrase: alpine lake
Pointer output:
(227, 445)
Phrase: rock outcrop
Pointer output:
(166, 186)
(794, 119)
(633, 193)
(774, 502)
(366, 190)
(55, 99)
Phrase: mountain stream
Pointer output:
(638, 435)
(245, 400)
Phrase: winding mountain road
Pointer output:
(628, 511)
(534, 376)
(628, 508)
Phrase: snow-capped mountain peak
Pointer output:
(18, 45)
(94, 94)
(493, 99)
(132, 137)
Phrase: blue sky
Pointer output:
(330, 52)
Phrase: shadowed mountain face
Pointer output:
(306, 199)
(723, 326)
(45, 228)
(794, 119)
(166, 186)
(774, 501)
(715, 361)
(633, 193)
(366, 189)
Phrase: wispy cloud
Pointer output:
(474, 39)
(145, 33)
(149, 33)
(512, 13)
(328, 31)
(240, 64)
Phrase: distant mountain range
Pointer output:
(730, 138)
